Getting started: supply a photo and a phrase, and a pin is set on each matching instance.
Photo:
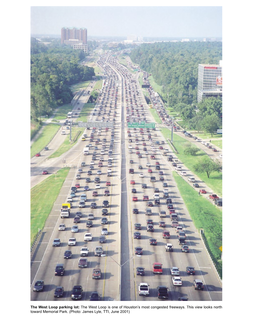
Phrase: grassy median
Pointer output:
(43, 196)
(205, 216)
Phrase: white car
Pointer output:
(130, 146)
(99, 172)
(74, 229)
(69, 199)
(144, 289)
(104, 231)
(148, 164)
(141, 175)
(178, 168)
(87, 237)
(97, 186)
(175, 271)
(156, 196)
(183, 173)
(177, 281)
(90, 216)
(84, 252)
(62, 227)
(109, 170)
(72, 241)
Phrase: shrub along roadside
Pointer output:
(43, 196)
(205, 216)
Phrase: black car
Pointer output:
(94, 296)
(67, 254)
(89, 172)
(104, 221)
(153, 241)
(76, 219)
(59, 270)
(135, 211)
(162, 292)
(190, 270)
(134, 190)
(138, 250)
(105, 203)
(39, 286)
(73, 189)
(93, 205)
(59, 291)
(137, 226)
(88, 180)
(137, 235)
(104, 212)
(144, 185)
(102, 239)
(140, 271)
(77, 292)
(89, 223)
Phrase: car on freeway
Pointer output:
(202, 191)
(177, 281)
(44, 172)
(67, 254)
(83, 263)
(87, 237)
(185, 248)
(108, 183)
(138, 250)
(196, 185)
(56, 242)
(89, 223)
(150, 228)
(76, 219)
(59, 291)
(135, 210)
(162, 292)
(62, 227)
(175, 271)
(96, 273)
(104, 221)
(102, 239)
(76, 293)
(84, 251)
(137, 235)
(213, 196)
(59, 270)
(38, 154)
(104, 231)
(72, 241)
(198, 284)
(77, 185)
(144, 185)
(190, 270)
(140, 271)
(94, 296)
(93, 205)
(132, 182)
(74, 229)
(39, 286)
(137, 226)
(105, 212)
(153, 241)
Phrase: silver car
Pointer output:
(74, 229)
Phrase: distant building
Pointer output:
(209, 81)
(74, 33)
(77, 38)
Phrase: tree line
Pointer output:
(53, 69)
(174, 66)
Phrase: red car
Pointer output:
(134, 198)
(145, 198)
(44, 172)
(132, 182)
(108, 184)
(149, 170)
(203, 191)
(213, 196)
(38, 154)
(161, 224)
(77, 185)
(152, 157)
(95, 193)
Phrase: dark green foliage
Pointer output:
(53, 70)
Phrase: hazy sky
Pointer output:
(163, 21)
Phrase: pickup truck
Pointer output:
(144, 289)
(213, 196)
(168, 247)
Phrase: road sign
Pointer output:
(95, 124)
(141, 125)
(221, 248)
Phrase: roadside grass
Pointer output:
(218, 143)
(67, 144)
(155, 115)
(157, 88)
(62, 111)
(76, 132)
(43, 197)
(205, 216)
(44, 138)
(215, 180)
(206, 136)
(98, 85)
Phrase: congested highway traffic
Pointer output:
(129, 233)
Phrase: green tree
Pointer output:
(211, 123)
(191, 150)
(206, 165)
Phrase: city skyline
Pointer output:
(121, 21)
